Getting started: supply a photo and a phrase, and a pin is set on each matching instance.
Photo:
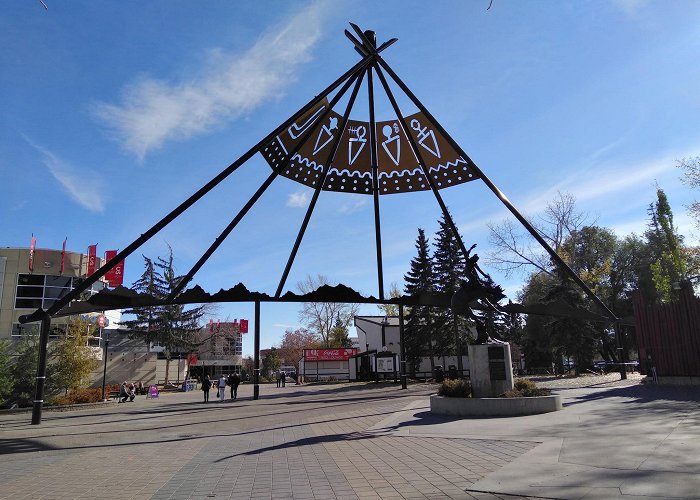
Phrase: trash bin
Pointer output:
(452, 372)
(439, 374)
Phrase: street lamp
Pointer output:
(104, 370)
(385, 322)
(179, 357)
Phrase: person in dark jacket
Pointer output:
(206, 385)
(233, 380)
(125, 393)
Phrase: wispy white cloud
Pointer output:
(83, 185)
(155, 111)
(298, 199)
(353, 204)
(606, 179)
(630, 7)
(285, 326)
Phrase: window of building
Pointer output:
(38, 290)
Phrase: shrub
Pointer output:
(87, 395)
(524, 388)
(455, 389)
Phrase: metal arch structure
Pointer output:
(329, 152)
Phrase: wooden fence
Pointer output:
(668, 336)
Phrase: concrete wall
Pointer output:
(129, 366)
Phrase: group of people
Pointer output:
(233, 381)
(129, 390)
(281, 377)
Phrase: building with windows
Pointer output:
(54, 273)
(220, 350)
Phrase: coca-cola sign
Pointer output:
(329, 354)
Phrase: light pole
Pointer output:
(385, 322)
(104, 370)
(179, 357)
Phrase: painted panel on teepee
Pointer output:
(351, 171)
(445, 165)
(317, 132)
(399, 171)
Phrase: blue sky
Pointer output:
(115, 112)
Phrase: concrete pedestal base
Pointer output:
(491, 372)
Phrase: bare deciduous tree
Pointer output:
(515, 249)
(691, 177)
(294, 342)
(391, 309)
(320, 317)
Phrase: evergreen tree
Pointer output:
(151, 283)
(668, 266)
(26, 353)
(419, 319)
(339, 336)
(171, 326)
(449, 265)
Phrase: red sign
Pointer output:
(115, 276)
(192, 359)
(329, 354)
(101, 320)
(32, 246)
(92, 259)
(244, 326)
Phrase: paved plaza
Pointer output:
(613, 439)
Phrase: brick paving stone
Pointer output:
(312, 448)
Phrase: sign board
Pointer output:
(153, 391)
(329, 354)
(385, 364)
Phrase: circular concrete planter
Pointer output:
(494, 407)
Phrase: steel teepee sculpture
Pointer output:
(326, 150)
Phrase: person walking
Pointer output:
(235, 380)
(284, 379)
(279, 378)
(206, 385)
(222, 387)
(229, 381)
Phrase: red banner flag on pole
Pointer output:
(32, 246)
(63, 255)
(114, 276)
(244, 326)
(92, 259)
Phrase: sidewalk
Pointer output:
(358, 441)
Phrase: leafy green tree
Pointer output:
(271, 363)
(6, 381)
(668, 267)
(571, 337)
(419, 319)
(172, 326)
(71, 359)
